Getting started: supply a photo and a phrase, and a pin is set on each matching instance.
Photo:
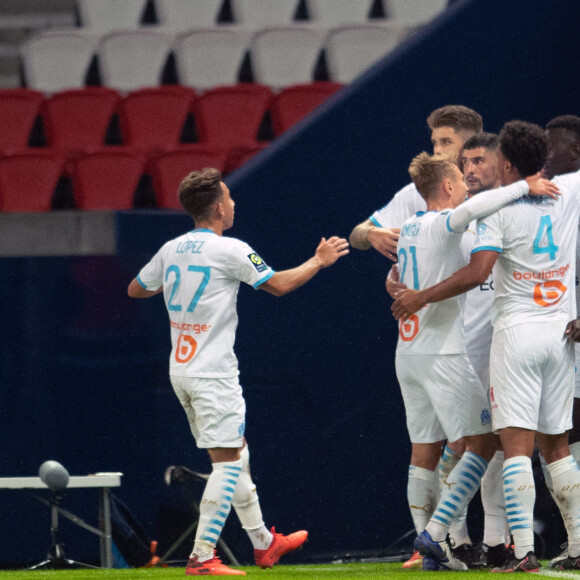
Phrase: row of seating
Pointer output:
(151, 120)
(180, 15)
(204, 58)
(113, 179)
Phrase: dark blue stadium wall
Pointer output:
(84, 368)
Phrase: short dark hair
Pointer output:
(489, 141)
(570, 123)
(524, 145)
(199, 191)
(458, 117)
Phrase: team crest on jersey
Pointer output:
(257, 262)
(481, 229)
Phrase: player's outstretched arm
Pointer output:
(475, 273)
(367, 235)
(327, 253)
(135, 290)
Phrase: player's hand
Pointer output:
(329, 251)
(392, 283)
(407, 302)
(572, 332)
(384, 240)
(540, 186)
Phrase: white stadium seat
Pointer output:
(132, 59)
(181, 15)
(285, 56)
(108, 15)
(210, 57)
(57, 59)
(255, 14)
(414, 12)
(350, 50)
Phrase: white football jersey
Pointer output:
(201, 273)
(477, 311)
(429, 252)
(405, 203)
(534, 274)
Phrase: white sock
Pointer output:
(462, 484)
(493, 502)
(422, 492)
(575, 451)
(547, 477)
(520, 495)
(566, 478)
(247, 506)
(215, 506)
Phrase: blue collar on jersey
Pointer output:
(203, 230)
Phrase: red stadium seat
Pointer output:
(294, 103)
(167, 171)
(76, 120)
(18, 111)
(107, 180)
(28, 181)
(229, 116)
(152, 119)
(237, 156)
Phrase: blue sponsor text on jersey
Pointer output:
(193, 247)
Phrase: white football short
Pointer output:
(215, 408)
(532, 378)
(443, 397)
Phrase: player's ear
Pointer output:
(575, 151)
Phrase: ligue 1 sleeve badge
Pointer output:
(257, 262)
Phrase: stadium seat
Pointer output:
(18, 111)
(294, 103)
(414, 12)
(350, 50)
(239, 155)
(76, 120)
(180, 15)
(229, 116)
(254, 14)
(28, 181)
(285, 56)
(333, 13)
(208, 58)
(152, 119)
(107, 180)
(133, 59)
(108, 15)
(168, 170)
(56, 60)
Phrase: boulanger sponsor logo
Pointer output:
(543, 275)
(257, 262)
(409, 328)
(549, 293)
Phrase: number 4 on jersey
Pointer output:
(544, 241)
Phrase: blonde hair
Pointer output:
(427, 172)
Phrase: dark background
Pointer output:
(84, 368)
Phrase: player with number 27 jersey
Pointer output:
(534, 279)
(203, 322)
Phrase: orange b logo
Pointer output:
(409, 328)
(549, 293)
(185, 349)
